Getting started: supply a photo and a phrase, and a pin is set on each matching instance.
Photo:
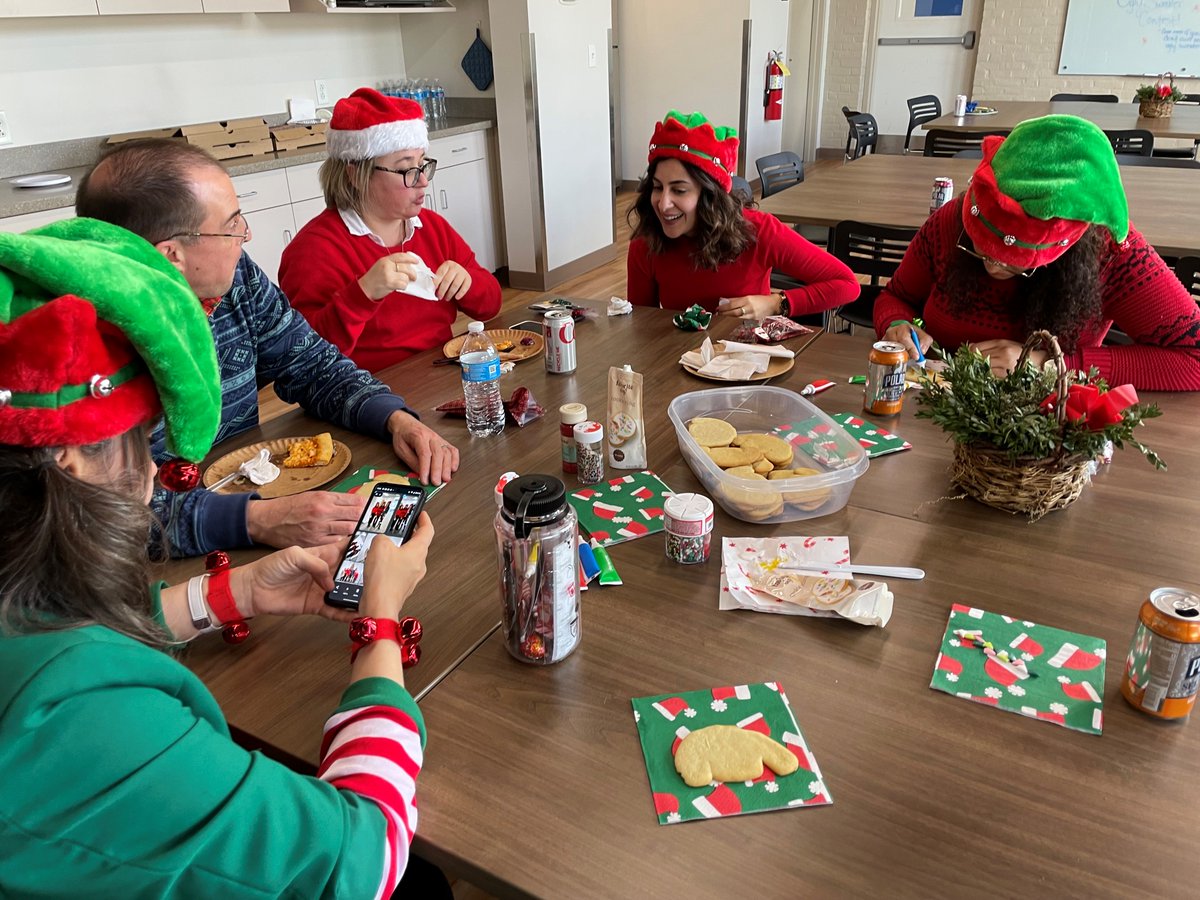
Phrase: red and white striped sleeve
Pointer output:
(375, 751)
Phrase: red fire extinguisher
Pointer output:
(773, 93)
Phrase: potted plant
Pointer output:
(1025, 443)
(1157, 101)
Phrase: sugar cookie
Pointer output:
(729, 753)
(711, 432)
(728, 457)
(774, 448)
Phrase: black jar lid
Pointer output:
(533, 500)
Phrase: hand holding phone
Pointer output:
(391, 512)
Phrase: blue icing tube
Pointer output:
(587, 559)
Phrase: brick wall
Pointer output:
(845, 66)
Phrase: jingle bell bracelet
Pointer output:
(407, 633)
(234, 629)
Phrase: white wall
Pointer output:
(769, 31)
(435, 44)
(68, 78)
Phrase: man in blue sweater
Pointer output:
(181, 200)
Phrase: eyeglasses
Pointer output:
(243, 235)
(995, 263)
(410, 176)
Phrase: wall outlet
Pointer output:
(322, 92)
(591, 56)
(5, 135)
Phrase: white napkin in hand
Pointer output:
(422, 285)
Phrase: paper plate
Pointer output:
(777, 366)
(50, 179)
(515, 335)
(290, 481)
(983, 111)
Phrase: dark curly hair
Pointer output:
(722, 233)
(1062, 297)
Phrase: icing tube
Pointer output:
(587, 562)
(626, 429)
(608, 573)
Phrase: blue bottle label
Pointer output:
(488, 370)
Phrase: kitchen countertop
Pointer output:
(16, 201)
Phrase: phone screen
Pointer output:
(391, 511)
(528, 325)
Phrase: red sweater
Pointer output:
(319, 273)
(672, 280)
(1140, 295)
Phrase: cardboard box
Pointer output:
(296, 137)
(220, 134)
(172, 132)
(248, 148)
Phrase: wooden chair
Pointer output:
(741, 188)
(921, 109)
(864, 135)
(1131, 142)
(948, 143)
(1094, 98)
(871, 250)
(779, 171)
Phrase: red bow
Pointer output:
(1087, 406)
(1164, 90)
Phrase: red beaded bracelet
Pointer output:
(234, 629)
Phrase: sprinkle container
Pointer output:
(688, 519)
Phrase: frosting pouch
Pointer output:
(626, 430)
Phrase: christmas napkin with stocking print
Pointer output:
(622, 508)
(1063, 671)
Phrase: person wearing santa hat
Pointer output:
(120, 776)
(378, 273)
(1040, 239)
(694, 241)
(182, 201)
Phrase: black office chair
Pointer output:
(1094, 98)
(779, 171)
(871, 250)
(1158, 162)
(1131, 142)
(970, 153)
(741, 188)
(921, 109)
(1180, 152)
(950, 143)
(1187, 270)
(848, 112)
(864, 135)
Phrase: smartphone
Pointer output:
(535, 327)
(391, 511)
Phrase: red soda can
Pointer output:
(1162, 670)
(943, 192)
(886, 365)
(558, 328)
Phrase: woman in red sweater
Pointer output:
(1041, 239)
(378, 273)
(693, 242)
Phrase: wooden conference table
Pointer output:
(1183, 123)
(534, 782)
(894, 190)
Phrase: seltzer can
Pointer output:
(886, 365)
(960, 105)
(943, 191)
(1162, 670)
(558, 329)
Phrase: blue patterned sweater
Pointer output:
(260, 339)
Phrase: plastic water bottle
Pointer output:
(439, 103)
(481, 383)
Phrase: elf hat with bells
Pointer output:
(1038, 189)
(693, 139)
(98, 334)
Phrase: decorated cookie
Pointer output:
(621, 428)
(729, 753)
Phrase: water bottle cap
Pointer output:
(533, 500)
(475, 327)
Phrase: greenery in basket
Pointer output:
(1017, 413)
(1159, 92)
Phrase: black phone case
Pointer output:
(375, 522)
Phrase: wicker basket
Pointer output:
(1023, 485)
(1158, 107)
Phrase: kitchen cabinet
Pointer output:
(137, 7)
(304, 187)
(325, 6)
(246, 6)
(267, 206)
(463, 194)
(47, 8)
(26, 221)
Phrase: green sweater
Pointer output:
(120, 780)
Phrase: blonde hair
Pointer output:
(345, 184)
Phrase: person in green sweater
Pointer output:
(120, 777)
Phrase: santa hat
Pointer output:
(693, 139)
(1038, 189)
(99, 333)
(367, 125)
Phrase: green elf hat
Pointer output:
(98, 334)
(693, 139)
(1038, 189)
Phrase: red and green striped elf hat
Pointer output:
(694, 140)
(98, 334)
(1038, 189)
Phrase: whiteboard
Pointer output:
(1131, 37)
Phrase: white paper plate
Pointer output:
(50, 179)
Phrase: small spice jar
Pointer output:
(589, 452)
(570, 415)
(688, 520)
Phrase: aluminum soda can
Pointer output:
(1162, 670)
(943, 191)
(886, 365)
(960, 105)
(558, 328)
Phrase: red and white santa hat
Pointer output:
(367, 125)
